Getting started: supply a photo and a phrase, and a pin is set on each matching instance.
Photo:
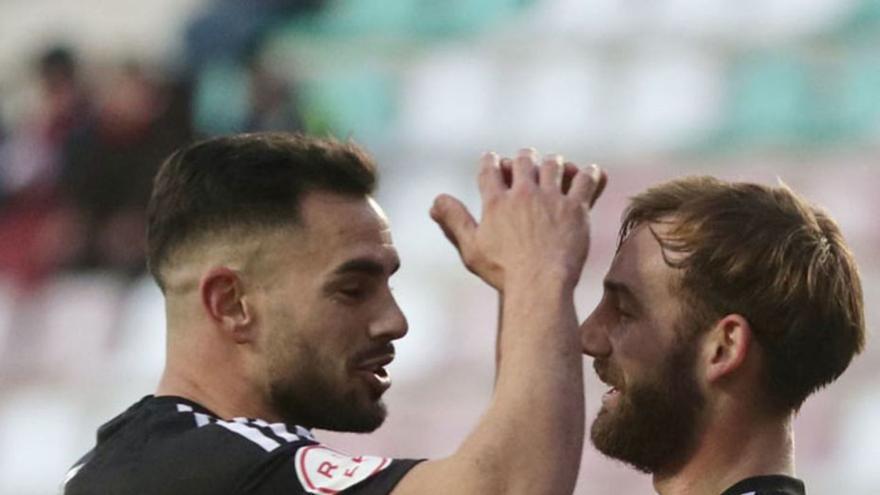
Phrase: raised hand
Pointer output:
(534, 222)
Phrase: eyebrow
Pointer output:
(621, 288)
(366, 266)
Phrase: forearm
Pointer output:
(529, 440)
(500, 327)
(538, 404)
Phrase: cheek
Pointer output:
(279, 329)
(331, 331)
(638, 356)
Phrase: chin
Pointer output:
(650, 435)
(362, 422)
(355, 417)
(353, 410)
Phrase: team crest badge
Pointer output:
(322, 470)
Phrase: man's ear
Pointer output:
(222, 293)
(727, 346)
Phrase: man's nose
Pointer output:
(594, 336)
(391, 324)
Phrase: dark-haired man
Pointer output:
(725, 306)
(274, 262)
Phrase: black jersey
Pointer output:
(172, 446)
(767, 485)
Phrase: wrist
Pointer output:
(544, 279)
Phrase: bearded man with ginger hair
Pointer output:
(725, 307)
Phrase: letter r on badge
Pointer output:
(326, 468)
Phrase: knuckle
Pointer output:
(521, 191)
(573, 208)
(491, 202)
(552, 197)
(584, 175)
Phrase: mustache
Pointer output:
(374, 352)
(606, 372)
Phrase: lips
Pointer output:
(371, 368)
(603, 371)
(612, 395)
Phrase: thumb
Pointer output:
(454, 219)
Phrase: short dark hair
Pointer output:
(767, 254)
(246, 180)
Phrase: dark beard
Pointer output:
(654, 424)
(307, 396)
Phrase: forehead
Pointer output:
(336, 228)
(331, 215)
(639, 264)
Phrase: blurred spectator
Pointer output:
(34, 153)
(32, 229)
(108, 168)
(76, 171)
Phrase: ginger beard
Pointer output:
(654, 423)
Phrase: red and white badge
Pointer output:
(322, 470)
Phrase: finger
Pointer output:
(600, 187)
(491, 181)
(549, 173)
(524, 167)
(455, 220)
(585, 184)
(507, 171)
(569, 170)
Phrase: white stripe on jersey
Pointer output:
(72, 473)
(279, 429)
(201, 418)
(243, 427)
(304, 433)
(251, 433)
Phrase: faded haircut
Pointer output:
(248, 181)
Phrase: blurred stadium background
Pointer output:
(93, 94)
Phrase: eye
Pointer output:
(352, 292)
(623, 315)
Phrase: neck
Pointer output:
(730, 451)
(215, 379)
